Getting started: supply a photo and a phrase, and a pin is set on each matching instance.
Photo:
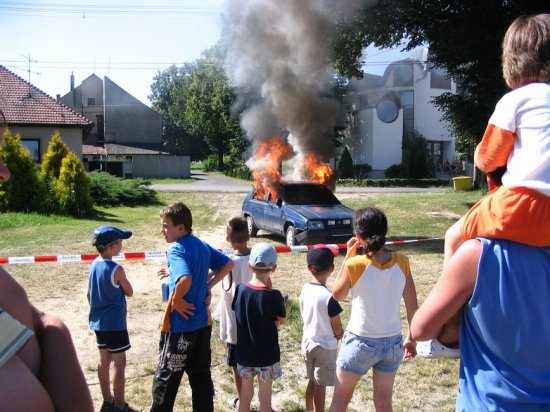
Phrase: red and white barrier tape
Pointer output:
(162, 255)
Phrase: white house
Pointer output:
(388, 108)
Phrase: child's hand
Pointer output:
(410, 349)
(280, 320)
(183, 307)
(162, 273)
(352, 246)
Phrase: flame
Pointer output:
(266, 163)
(319, 171)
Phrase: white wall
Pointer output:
(161, 166)
(71, 136)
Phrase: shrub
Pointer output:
(395, 182)
(72, 189)
(24, 191)
(109, 190)
(396, 171)
(345, 166)
(239, 172)
(51, 163)
(362, 171)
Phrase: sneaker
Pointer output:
(233, 403)
(107, 406)
(125, 408)
(433, 349)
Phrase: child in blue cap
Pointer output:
(108, 287)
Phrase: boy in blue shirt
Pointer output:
(108, 287)
(186, 325)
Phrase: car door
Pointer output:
(273, 216)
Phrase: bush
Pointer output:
(361, 171)
(24, 191)
(397, 182)
(396, 171)
(345, 166)
(239, 172)
(72, 189)
(109, 190)
(51, 163)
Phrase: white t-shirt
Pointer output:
(240, 273)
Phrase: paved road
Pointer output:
(206, 182)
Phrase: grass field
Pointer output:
(421, 385)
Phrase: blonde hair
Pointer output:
(526, 51)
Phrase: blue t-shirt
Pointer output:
(256, 310)
(191, 256)
(107, 300)
(505, 331)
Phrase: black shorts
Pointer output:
(231, 354)
(115, 341)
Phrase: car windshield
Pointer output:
(309, 194)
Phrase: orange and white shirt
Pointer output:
(518, 136)
(376, 292)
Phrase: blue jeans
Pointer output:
(358, 354)
(187, 352)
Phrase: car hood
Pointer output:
(323, 212)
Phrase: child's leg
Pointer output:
(382, 383)
(453, 240)
(319, 393)
(246, 394)
(119, 377)
(237, 380)
(264, 395)
(103, 375)
(309, 394)
(343, 390)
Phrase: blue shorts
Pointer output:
(358, 354)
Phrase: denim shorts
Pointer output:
(358, 354)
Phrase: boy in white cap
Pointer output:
(108, 287)
(322, 326)
(259, 310)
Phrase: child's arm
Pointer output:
(220, 273)
(494, 149)
(411, 306)
(176, 302)
(451, 291)
(337, 328)
(121, 279)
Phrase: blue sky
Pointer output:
(127, 41)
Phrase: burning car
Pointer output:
(305, 213)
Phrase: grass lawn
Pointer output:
(421, 385)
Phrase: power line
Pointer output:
(106, 10)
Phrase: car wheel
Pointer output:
(291, 236)
(252, 229)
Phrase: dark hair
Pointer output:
(179, 214)
(526, 51)
(237, 229)
(371, 225)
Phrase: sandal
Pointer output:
(233, 403)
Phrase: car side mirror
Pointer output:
(279, 202)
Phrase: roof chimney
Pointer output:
(72, 81)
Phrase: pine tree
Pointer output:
(72, 189)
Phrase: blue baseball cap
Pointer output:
(105, 235)
(263, 256)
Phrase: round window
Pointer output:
(387, 111)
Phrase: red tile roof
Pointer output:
(24, 104)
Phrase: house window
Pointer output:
(388, 107)
(33, 146)
(91, 101)
(439, 79)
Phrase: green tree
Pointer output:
(73, 187)
(175, 137)
(205, 101)
(464, 37)
(51, 162)
(345, 166)
(24, 191)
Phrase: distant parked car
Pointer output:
(305, 213)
